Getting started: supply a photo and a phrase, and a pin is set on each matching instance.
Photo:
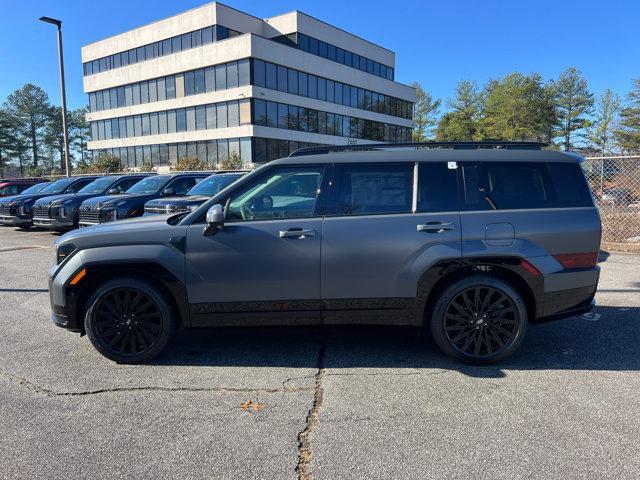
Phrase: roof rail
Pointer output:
(490, 144)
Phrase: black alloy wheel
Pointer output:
(129, 321)
(479, 319)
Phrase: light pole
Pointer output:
(67, 160)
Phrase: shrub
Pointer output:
(190, 164)
(232, 162)
(106, 164)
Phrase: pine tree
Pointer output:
(425, 113)
(574, 104)
(461, 123)
(628, 134)
(29, 106)
(601, 131)
(517, 107)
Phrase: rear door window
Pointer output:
(373, 189)
(437, 187)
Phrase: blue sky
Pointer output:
(437, 43)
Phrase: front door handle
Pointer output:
(435, 227)
(297, 233)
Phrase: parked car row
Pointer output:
(86, 200)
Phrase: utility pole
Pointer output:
(67, 159)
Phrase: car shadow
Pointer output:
(605, 342)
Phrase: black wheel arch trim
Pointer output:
(530, 286)
(97, 271)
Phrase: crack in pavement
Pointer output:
(29, 385)
(392, 374)
(313, 417)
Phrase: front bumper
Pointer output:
(15, 221)
(63, 316)
(53, 223)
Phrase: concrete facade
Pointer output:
(255, 40)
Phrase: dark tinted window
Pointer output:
(437, 191)
(570, 186)
(79, 185)
(371, 189)
(182, 185)
(516, 185)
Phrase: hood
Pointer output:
(22, 199)
(134, 230)
(122, 198)
(9, 199)
(65, 197)
(183, 200)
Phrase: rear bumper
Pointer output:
(569, 293)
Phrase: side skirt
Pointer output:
(365, 311)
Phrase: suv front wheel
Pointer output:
(129, 321)
(479, 319)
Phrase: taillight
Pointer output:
(529, 268)
(577, 260)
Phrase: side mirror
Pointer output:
(215, 220)
(113, 191)
(169, 191)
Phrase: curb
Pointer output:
(621, 247)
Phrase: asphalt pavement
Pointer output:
(339, 403)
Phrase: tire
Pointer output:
(128, 320)
(486, 327)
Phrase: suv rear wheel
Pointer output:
(479, 319)
(129, 321)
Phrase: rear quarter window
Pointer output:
(570, 185)
(523, 185)
(517, 185)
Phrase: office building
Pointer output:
(214, 81)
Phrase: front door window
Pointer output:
(280, 194)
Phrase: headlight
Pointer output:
(59, 210)
(63, 251)
(109, 214)
(170, 208)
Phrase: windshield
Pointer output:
(213, 184)
(150, 185)
(59, 186)
(36, 188)
(100, 185)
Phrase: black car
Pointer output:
(16, 211)
(131, 203)
(60, 212)
(195, 197)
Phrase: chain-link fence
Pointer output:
(615, 182)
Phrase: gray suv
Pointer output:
(473, 241)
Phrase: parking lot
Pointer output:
(312, 403)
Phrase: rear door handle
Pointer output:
(435, 227)
(297, 233)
